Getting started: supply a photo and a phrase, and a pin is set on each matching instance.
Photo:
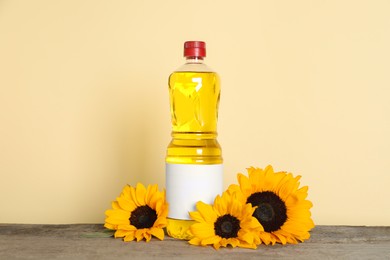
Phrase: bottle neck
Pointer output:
(194, 64)
(194, 60)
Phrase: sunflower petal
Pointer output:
(280, 238)
(266, 238)
(247, 245)
(150, 191)
(157, 232)
(234, 242)
(139, 234)
(245, 185)
(254, 179)
(140, 192)
(133, 196)
(129, 237)
(111, 226)
(125, 204)
(147, 236)
(117, 220)
(202, 230)
(220, 206)
(156, 200)
(115, 205)
(127, 227)
(121, 233)
(233, 188)
(247, 237)
(206, 211)
(195, 215)
(195, 241)
(210, 240)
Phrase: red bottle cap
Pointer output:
(195, 49)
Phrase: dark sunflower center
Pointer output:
(271, 210)
(227, 226)
(143, 217)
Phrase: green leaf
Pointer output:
(100, 234)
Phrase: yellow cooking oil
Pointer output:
(194, 100)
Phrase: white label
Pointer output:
(186, 184)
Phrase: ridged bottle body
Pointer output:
(194, 157)
(194, 100)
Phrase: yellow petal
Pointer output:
(287, 189)
(223, 242)
(269, 170)
(247, 245)
(140, 192)
(291, 240)
(233, 242)
(160, 223)
(279, 179)
(129, 237)
(115, 205)
(117, 220)
(152, 189)
(280, 238)
(195, 241)
(265, 237)
(234, 208)
(126, 204)
(269, 183)
(255, 225)
(127, 227)
(110, 226)
(301, 196)
(157, 232)
(244, 184)
(139, 234)
(246, 236)
(233, 188)
(118, 213)
(147, 236)
(210, 240)
(156, 201)
(133, 197)
(126, 193)
(295, 227)
(195, 215)
(202, 230)
(252, 170)
(206, 211)
(255, 180)
(121, 233)
(221, 204)
(217, 246)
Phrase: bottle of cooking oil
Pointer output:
(194, 160)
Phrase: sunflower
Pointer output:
(138, 213)
(227, 222)
(282, 208)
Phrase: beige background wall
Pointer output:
(84, 100)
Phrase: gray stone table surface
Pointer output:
(92, 241)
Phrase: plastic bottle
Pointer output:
(194, 170)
